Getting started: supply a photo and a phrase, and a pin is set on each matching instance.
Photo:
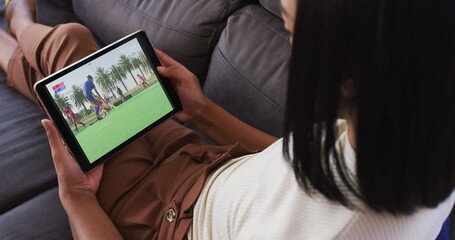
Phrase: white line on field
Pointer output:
(103, 126)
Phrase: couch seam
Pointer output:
(270, 9)
(219, 28)
(217, 32)
(189, 35)
(247, 11)
(251, 14)
(241, 77)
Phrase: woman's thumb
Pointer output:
(47, 124)
(52, 135)
(173, 72)
(167, 72)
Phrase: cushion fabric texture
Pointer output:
(249, 69)
(186, 30)
(29, 203)
(26, 167)
(42, 217)
(53, 12)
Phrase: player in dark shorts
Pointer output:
(120, 92)
(143, 82)
(67, 111)
(96, 101)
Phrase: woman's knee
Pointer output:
(66, 44)
(73, 32)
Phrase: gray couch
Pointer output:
(237, 48)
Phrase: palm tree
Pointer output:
(144, 59)
(62, 101)
(137, 64)
(145, 62)
(102, 78)
(117, 73)
(126, 65)
(77, 95)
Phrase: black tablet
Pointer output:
(105, 101)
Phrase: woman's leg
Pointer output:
(9, 45)
(20, 14)
(12, 60)
(43, 50)
(127, 169)
(40, 50)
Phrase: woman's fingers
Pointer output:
(58, 149)
(54, 138)
(172, 72)
(165, 59)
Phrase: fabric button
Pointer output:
(170, 215)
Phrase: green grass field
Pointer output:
(122, 123)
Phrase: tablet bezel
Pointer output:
(52, 110)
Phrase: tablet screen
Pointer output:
(110, 99)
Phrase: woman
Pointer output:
(390, 175)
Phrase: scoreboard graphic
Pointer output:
(59, 87)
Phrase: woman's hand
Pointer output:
(204, 114)
(185, 84)
(71, 180)
(77, 192)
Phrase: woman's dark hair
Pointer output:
(401, 57)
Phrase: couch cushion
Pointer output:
(186, 30)
(249, 68)
(274, 6)
(53, 12)
(26, 167)
(42, 217)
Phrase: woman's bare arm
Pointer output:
(226, 129)
(201, 112)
